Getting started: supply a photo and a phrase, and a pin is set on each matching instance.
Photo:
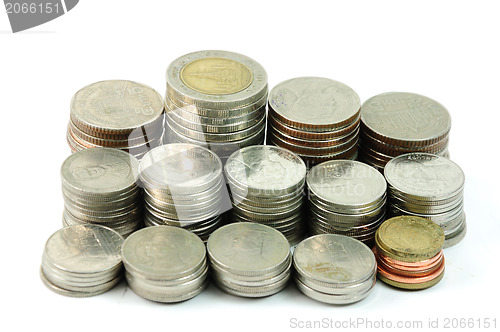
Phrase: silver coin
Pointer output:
(253, 291)
(455, 238)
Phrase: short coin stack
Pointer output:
(267, 187)
(82, 260)
(183, 186)
(346, 197)
(249, 259)
(118, 114)
(431, 187)
(216, 99)
(409, 252)
(317, 118)
(165, 264)
(99, 186)
(396, 123)
(334, 269)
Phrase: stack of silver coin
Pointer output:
(428, 186)
(334, 269)
(184, 186)
(165, 264)
(396, 123)
(346, 197)
(216, 99)
(249, 259)
(82, 260)
(99, 186)
(117, 114)
(267, 187)
(317, 118)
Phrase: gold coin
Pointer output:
(216, 76)
(409, 238)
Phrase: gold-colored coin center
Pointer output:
(216, 76)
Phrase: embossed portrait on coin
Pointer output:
(425, 174)
(251, 245)
(162, 250)
(315, 96)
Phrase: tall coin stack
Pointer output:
(317, 118)
(183, 186)
(396, 123)
(249, 259)
(165, 264)
(100, 187)
(428, 186)
(267, 187)
(334, 269)
(117, 114)
(216, 99)
(346, 197)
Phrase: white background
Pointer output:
(446, 50)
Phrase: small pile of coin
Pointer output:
(82, 260)
(249, 259)
(334, 269)
(183, 186)
(216, 99)
(317, 118)
(397, 123)
(346, 197)
(409, 252)
(428, 186)
(165, 264)
(99, 186)
(267, 187)
(117, 114)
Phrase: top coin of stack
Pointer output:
(396, 123)
(216, 99)
(117, 114)
(317, 118)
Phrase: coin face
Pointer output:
(314, 101)
(332, 258)
(116, 104)
(84, 249)
(164, 251)
(216, 76)
(346, 183)
(100, 170)
(424, 175)
(405, 116)
(265, 167)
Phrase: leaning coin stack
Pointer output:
(267, 187)
(165, 264)
(249, 259)
(346, 197)
(183, 186)
(428, 186)
(334, 269)
(396, 123)
(82, 260)
(409, 252)
(118, 114)
(100, 187)
(216, 99)
(317, 118)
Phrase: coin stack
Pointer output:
(346, 197)
(397, 123)
(82, 260)
(428, 186)
(317, 118)
(249, 259)
(409, 252)
(184, 186)
(216, 99)
(99, 186)
(165, 264)
(117, 114)
(335, 269)
(267, 187)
